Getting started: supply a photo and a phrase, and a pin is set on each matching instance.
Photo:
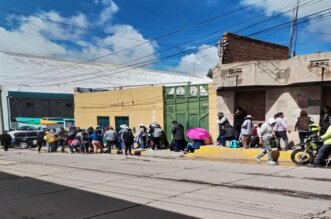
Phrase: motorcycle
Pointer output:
(305, 154)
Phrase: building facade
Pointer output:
(189, 104)
(265, 87)
(35, 105)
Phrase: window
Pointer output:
(29, 104)
(20, 135)
(32, 134)
(103, 121)
(121, 120)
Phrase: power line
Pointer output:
(161, 36)
(277, 27)
(208, 35)
(162, 58)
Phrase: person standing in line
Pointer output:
(324, 120)
(40, 140)
(281, 130)
(110, 138)
(50, 140)
(128, 140)
(222, 121)
(97, 141)
(178, 136)
(157, 134)
(239, 118)
(142, 136)
(80, 138)
(246, 131)
(5, 139)
(302, 125)
(266, 135)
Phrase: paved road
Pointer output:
(49, 185)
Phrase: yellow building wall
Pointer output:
(141, 105)
(213, 127)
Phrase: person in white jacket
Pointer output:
(246, 131)
(266, 135)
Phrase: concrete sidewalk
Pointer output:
(216, 152)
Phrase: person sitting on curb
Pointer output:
(191, 147)
(266, 135)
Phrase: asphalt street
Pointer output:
(25, 197)
(64, 185)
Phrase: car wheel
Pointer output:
(23, 145)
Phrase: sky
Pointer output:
(171, 35)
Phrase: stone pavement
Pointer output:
(203, 189)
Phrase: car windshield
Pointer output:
(27, 128)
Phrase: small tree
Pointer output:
(210, 73)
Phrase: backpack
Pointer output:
(158, 132)
(75, 143)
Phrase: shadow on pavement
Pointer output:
(24, 197)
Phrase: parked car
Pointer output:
(26, 139)
(27, 127)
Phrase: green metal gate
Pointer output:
(188, 105)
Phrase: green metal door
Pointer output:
(121, 120)
(103, 121)
(188, 105)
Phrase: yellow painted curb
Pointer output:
(216, 152)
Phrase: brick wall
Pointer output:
(37, 108)
(235, 48)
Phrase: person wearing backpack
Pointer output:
(157, 134)
(50, 140)
(110, 138)
(128, 140)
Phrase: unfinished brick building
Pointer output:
(236, 48)
(259, 77)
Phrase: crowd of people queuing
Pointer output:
(269, 134)
(103, 140)
(245, 133)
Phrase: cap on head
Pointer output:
(272, 121)
(249, 117)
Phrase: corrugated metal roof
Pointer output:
(39, 74)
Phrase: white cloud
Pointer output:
(17, 41)
(198, 63)
(110, 8)
(35, 34)
(272, 7)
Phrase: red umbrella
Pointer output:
(197, 133)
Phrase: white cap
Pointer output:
(271, 120)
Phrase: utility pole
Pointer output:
(322, 89)
(294, 31)
(2, 124)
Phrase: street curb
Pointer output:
(216, 152)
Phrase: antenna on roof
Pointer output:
(294, 31)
